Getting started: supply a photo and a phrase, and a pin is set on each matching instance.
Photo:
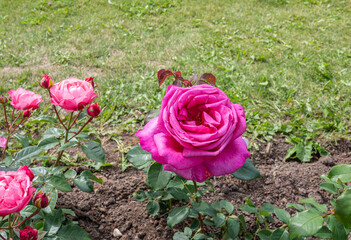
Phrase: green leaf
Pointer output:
(46, 119)
(330, 187)
(153, 207)
(69, 144)
(59, 182)
(139, 196)
(94, 151)
(247, 208)
(205, 208)
(269, 208)
(304, 152)
(27, 153)
(337, 229)
(177, 215)
(264, 234)
(71, 173)
(199, 236)
(291, 152)
(280, 234)
(324, 233)
(247, 172)
(177, 182)
(73, 232)
(305, 224)
(22, 139)
(68, 211)
(84, 184)
(233, 227)
(343, 209)
(178, 193)
(282, 215)
(188, 231)
(219, 219)
(296, 206)
(312, 201)
(157, 178)
(342, 172)
(91, 176)
(48, 143)
(223, 204)
(180, 236)
(139, 157)
(53, 132)
(52, 223)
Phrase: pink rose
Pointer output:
(3, 142)
(15, 191)
(28, 233)
(197, 134)
(27, 170)
(72, 94)
(24, 99)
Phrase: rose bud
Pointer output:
(91, 81)
(3, 99)
(94, 110)
(41, 200)
(28, 172)
(26, 113)
(46, 82)
(28, 233)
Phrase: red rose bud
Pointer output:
(46, 82)
(28, 172)
(26, 113)
(28, 233)
(94, 110)
(91, 81)
(3, 99)
(41, 200)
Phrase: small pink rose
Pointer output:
(41, 200)
(15, 191)
(28, 233)
(94, 110)
(197, 134)
(3, 142)
(46, 82)
(24, 99)
(72, 94)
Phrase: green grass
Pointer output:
(287, 62)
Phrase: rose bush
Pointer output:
(72, 94)
(197, 134)
(24, 99)
(15, 190)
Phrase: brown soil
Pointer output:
(112, 206)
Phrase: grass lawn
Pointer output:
(287, 62)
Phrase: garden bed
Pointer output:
(113, 206)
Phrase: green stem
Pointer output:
(197, 199)
(5, 113)
(10, 228)
(59, 156)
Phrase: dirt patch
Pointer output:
(112, 206)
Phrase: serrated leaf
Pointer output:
(139, 157)
(280, 234)
(205, 208)
(296, 206)
(153, 207)
(22, 139)
(177, 193)
(69, 144)
(337, 229)
(247, 208)
(52, 132)
(52, 223)
(247, 172)
(177, 215)
(330, 187)
(180, 236)
(305, 224)
(342, 172)
(233, 227)
(209, 77)
(71, 173)
(94, 151)
(46, 119)
(162, 75)
(84, 184)
(324, 233)
(139, 196)
(91, 176)
(313, 202)
(48, 143)
(282, 215)
(199, 236)
(59, 182)
(157, 178)
(73, 232)
(223, 204)
(27, 153)
(343, 209)
(219, 219)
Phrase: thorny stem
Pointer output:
(13, 111)
(197, 200)
(74, 121)
(90, 119)
(58, 117)
(33, 214)
(13, 122)
(5, 113)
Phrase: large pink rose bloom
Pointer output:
(197, 134)
(72, 94)
(15, 191)
(24, 99)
